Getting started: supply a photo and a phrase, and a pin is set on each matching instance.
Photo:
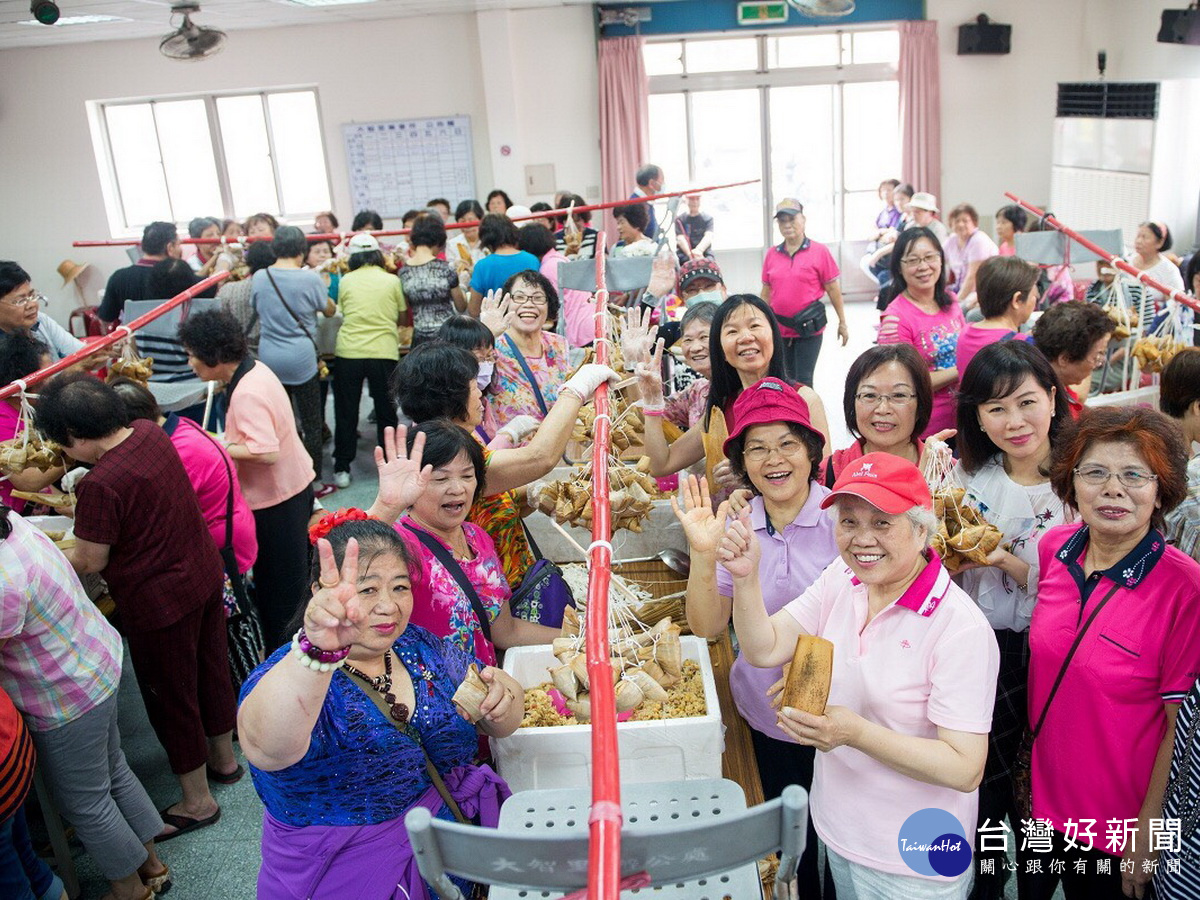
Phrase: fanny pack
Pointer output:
(808, 321)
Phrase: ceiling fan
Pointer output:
(189, 40)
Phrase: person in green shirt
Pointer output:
(368, 347)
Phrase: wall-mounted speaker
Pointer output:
(984, 36)
(1180, 26)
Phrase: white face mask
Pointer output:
(484, 378)
(710, 296)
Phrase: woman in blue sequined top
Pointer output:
(339, 756)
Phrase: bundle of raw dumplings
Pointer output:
(631, 496)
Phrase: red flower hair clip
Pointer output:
(332, 520)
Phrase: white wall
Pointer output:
(396, 68)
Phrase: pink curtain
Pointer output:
(920, 107)
(624, 119)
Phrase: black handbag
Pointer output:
(808, 321)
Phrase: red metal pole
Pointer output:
(118, 334)
(1115, 261)
(604, 823)
(450, 226)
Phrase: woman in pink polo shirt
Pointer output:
(914, 679)
(1011, 409)
(1103, 719)
(1008, 294)
(776, 450)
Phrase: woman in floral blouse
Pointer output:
(527, 351)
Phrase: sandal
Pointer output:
(183, 824)
(220, 778)
(159, 883)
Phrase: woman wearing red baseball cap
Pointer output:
(777, 452)
(914, 678)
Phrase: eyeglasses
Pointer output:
(787, 448)
(1098, 475)
(486, 356)
(519, 297)
(915, 262)
(33, 299)
(897, 398)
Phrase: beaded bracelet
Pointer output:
(313, 657)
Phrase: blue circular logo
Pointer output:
(932, 842)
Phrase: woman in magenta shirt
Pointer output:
(1103, 749)
(923, 313)
(1008, 294)
(209, 469)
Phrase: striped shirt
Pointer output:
(59, 657)
(1178, 875)
(1183, 522)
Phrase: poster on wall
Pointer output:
(401, 164)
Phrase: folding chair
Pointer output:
(685, 839)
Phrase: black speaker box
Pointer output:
(981, 38)
(1180, 26)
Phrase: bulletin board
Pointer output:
(399, 165)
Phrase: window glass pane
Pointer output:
(727, 131)
(668, 137)
(872, 133)
(875, 46)
(733, 55)
(861, 208)
(136, 162)
(247, 155)
(796, 50)
(802, 154)
(188, 158)
(663, 59)
(299, 152)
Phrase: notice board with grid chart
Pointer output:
(399, 165)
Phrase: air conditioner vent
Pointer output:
(1108, 100)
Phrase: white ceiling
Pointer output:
(152, 18)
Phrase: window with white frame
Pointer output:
(219, 154)
(814, 115)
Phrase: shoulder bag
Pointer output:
(543, 594)
(322, 369)
(1022, 768)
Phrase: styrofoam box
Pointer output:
(561, 755)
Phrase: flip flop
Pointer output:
(184, 824)
(232, 778)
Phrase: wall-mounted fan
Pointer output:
(824, 8)
(189, 40)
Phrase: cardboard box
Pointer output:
(661, 750)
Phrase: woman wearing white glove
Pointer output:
(438, 381)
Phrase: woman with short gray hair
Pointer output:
(913, 683)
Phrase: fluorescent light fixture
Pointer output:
(327, 2)
(79, 20)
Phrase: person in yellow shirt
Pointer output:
(368, 347)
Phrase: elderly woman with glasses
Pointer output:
(21, 307)
(1114, 647)
(532, 363)
(923, 313)
(913, 680)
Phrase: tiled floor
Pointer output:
(221, 862)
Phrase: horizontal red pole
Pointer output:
(1115, 261)
(338, 236)
(117, 334)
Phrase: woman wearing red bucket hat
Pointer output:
(774, 449)
(914, 678)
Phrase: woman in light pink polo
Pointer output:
(914, 679)
(1103, 751)
(775, 449)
